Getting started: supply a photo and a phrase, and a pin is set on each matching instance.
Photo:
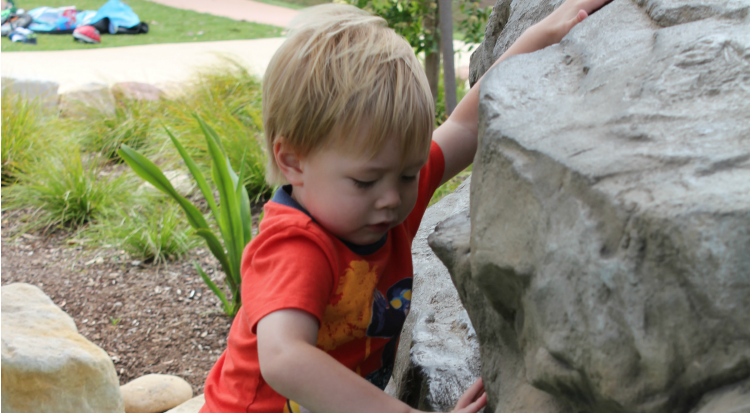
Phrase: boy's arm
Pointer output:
(292, 365)
(457, 136)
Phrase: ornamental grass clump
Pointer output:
(65, 191)
(150, 232)
(24, 134)
(232, 213)
(133, 122)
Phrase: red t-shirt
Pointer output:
(359, 294)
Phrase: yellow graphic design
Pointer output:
(292, 407)
(396, 302)
(350, 310)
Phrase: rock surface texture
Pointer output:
(155, 393)
(606, 261)
(46, 365)
(193, 405)
(438, 355)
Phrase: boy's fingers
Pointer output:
(477, 405)
(471, 394)
(476, 389)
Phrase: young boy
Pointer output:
(326, 286)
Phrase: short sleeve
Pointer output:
(287, 269)
(429, 181)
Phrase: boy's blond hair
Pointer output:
(340, 73)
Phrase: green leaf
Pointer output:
(245, 213)
(228, 204)
(202, 183)
(218, 251)
(153, 175)
(228, 310)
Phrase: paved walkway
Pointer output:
(247, 10)
(163, 65)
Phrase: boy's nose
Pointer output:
(389, 200)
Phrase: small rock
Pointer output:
(80, 101)
(43, 90)
(155, 393)
(181, 181)
(97, 260)
(137, 91)
(135, 263)
(191, 406)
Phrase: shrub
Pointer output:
(229, 101)
(133, 122)
(150, 231)
(23, 134)
(232, 213)
(66, 191)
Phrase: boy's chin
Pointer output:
(365, 238)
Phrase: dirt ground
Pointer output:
(148, 318)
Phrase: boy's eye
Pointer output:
(409, 178)
(363, 184)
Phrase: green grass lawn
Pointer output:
(166, 25)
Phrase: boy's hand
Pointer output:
(457, 136)
(555, 26)
(473, 399)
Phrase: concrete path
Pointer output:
(247, 10)
(164, 65)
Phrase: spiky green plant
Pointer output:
(24, 136)
(229, 101)
(66, 191)
(232, 213)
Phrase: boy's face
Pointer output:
(359, 198)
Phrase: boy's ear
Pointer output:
(289, 163)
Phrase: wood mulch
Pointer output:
(148, 318)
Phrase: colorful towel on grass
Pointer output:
(65, 19)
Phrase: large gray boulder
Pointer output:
(46, 365)
(606, 261)
(438, 355)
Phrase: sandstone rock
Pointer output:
(438, 355)
(137, 91)
(191, 406)
(43, 90)
(46, 365)
(607, 267)
(181, 180)
(154, 393)
(91, 96)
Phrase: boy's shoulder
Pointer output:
(286, 224)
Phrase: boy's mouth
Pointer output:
(382, 227)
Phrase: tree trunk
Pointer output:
(432, 60)
(449, 71)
